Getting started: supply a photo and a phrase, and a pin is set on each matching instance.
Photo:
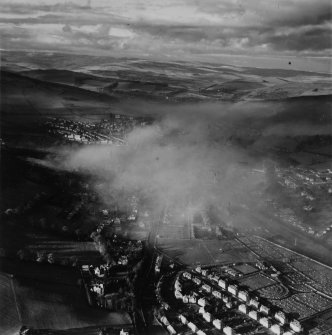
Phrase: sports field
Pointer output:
(205, 252)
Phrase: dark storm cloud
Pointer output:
(314, 39)
(176, 28)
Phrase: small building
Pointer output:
(178, 294)
(204, 272)
(277, 329)
(289, 332)
(233, 289)
(98, 288)
(229, 305)
(201, 310)
(164, 321)
(183, 319)
(253, 315)
(187, 275)
(185, 299)
(254, 302)
(206, 288)
(281, 317)
(192, 299)
(296, 325)
(214, 277)
(99, 272)
(222, 283)
(243, 308)
(201, 302)
(178, 285)
(226, 299)
(228, 330)
(171, 330)
(217, 323)
(264, 321)
(216, 294)
(198, 269)
(243, 295)
(207, 316)
(200, 332)
(197, 281)
(264, 309)
(192, 326)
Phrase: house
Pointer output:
(186, 275)
(296, 325)
(281, 317)
(243, 295)
(171, 330)
(207, 288)
(228, 331)
(254, 302)
(264, 321)
(217, 323)
(201, 302)
(216, 294)
(233, 289)
(253, 314)
(183, 319)
(207, 316)
(198, 269)
(196, 280)
(164, 321)
(264, 309)
(243, 308)
(178, 294)
(277, 329)
(222, 283)
(192, 326)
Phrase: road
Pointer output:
(145, 284)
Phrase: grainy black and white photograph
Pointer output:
(166, 167)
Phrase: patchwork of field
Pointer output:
(296, 306)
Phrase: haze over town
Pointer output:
(165, 167)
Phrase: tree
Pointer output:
(41, 256)
(2, 252)
(50, 258)
(23, 254)
(73, 260)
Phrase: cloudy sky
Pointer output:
(248, 32)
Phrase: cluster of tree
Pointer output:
(44, 257)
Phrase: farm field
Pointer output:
(45, 305)
(49, 273)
